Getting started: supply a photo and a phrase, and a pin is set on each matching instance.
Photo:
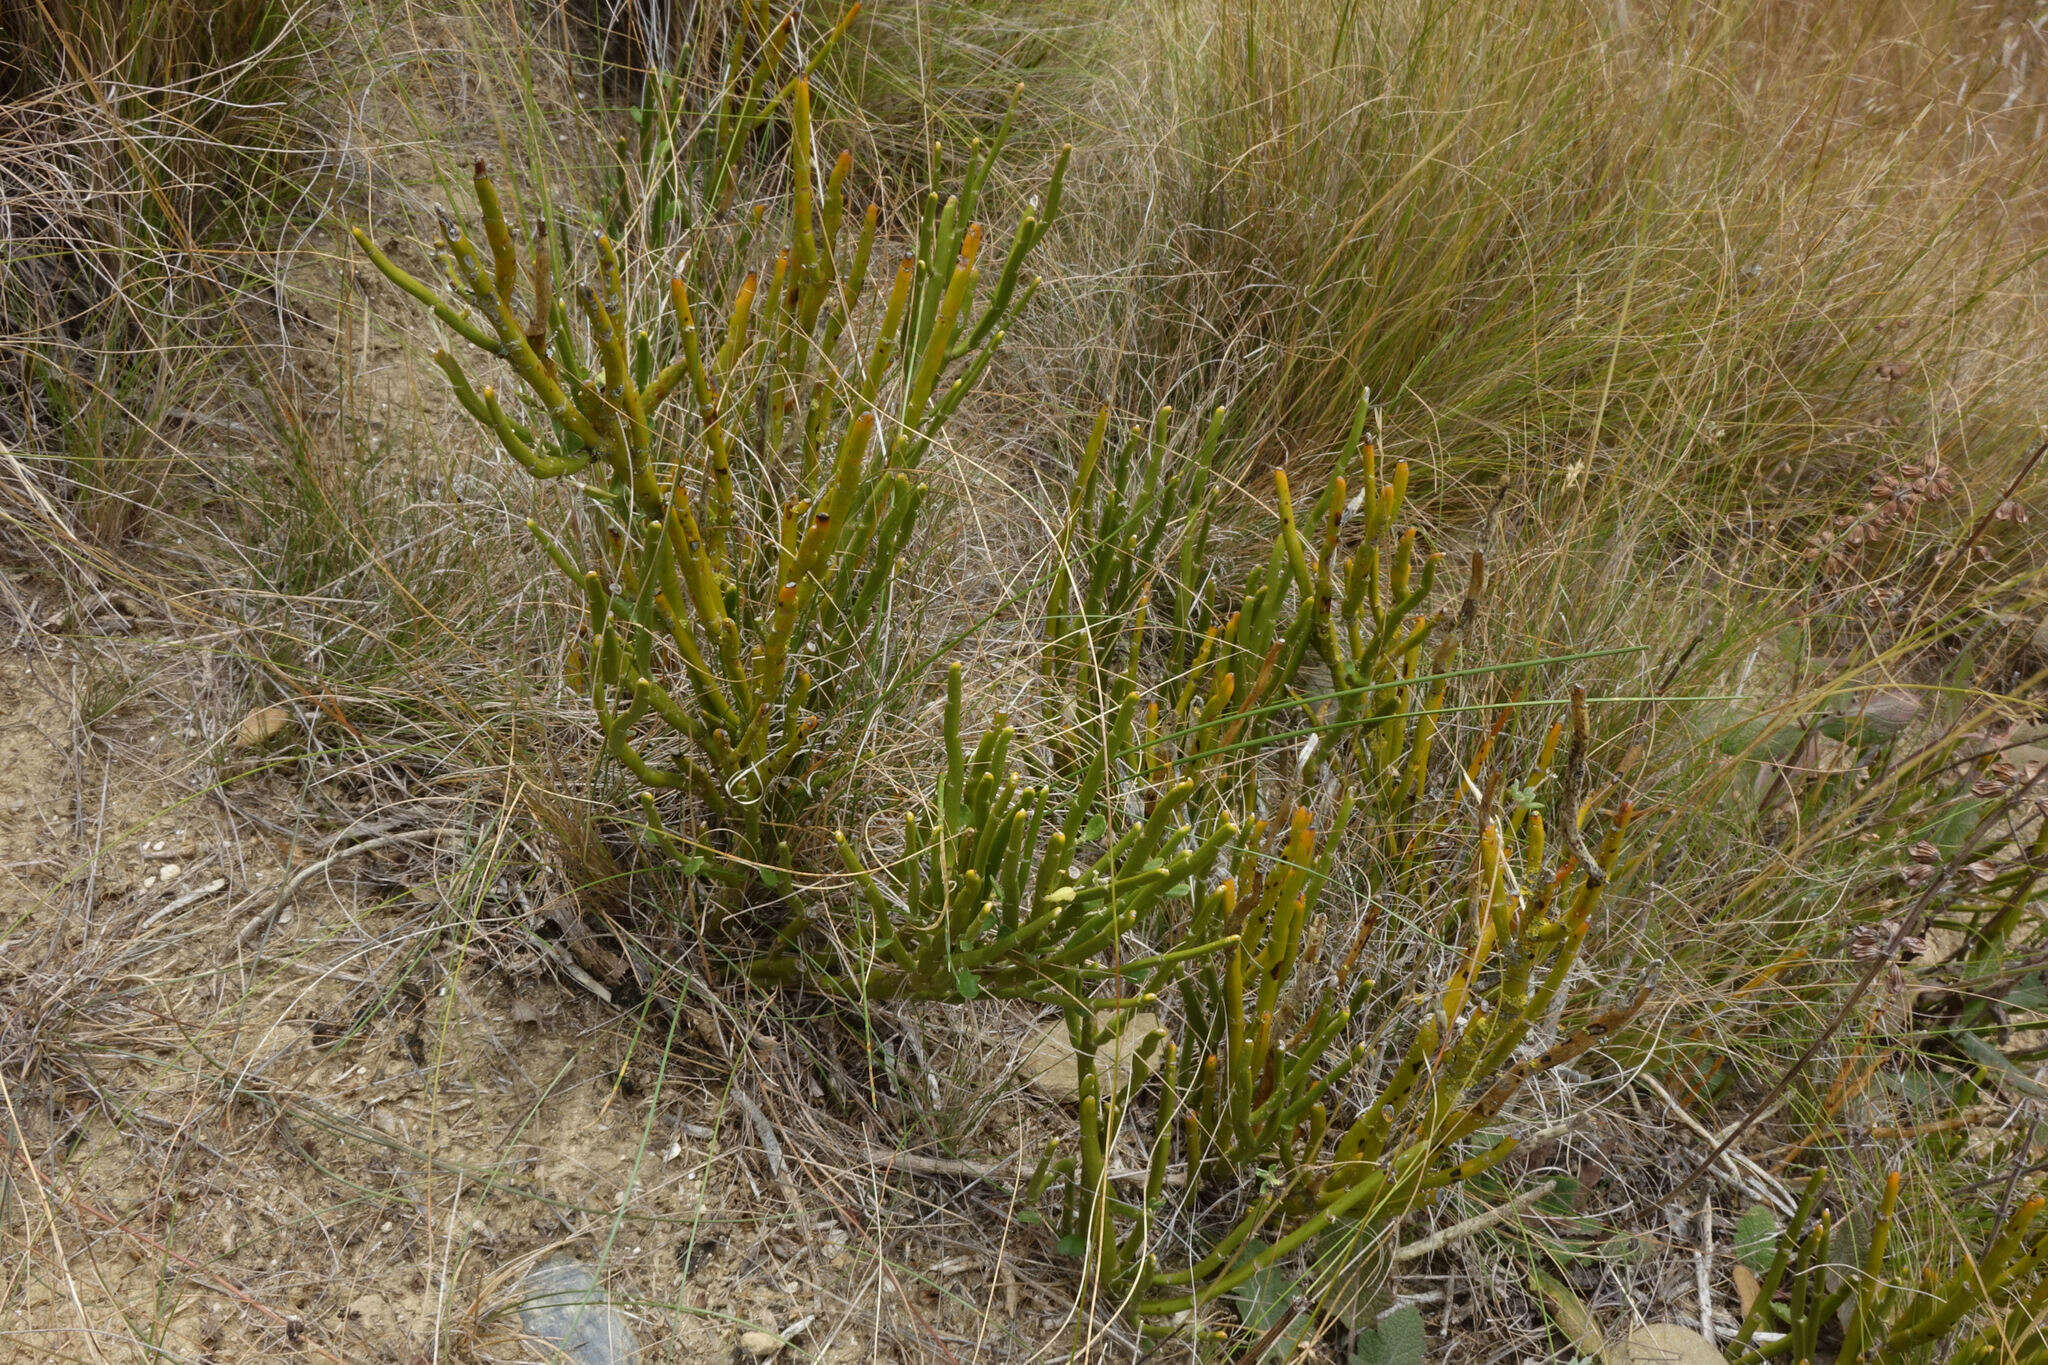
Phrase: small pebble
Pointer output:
(760, 1345)
(169, 873)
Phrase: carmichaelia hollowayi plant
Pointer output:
(746, 464)
(2002, 1293)
(1251, 1067)
(1138, 519)
(1324, 646)
(680, 162)
(1252, 1059)
(1016, 886)
(1181, 873)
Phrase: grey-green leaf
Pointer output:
(1756, 1237)
(1399, 1339)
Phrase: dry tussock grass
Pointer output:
(1667, 245)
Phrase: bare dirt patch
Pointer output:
(343, 1127)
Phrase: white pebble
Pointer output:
(169, 873)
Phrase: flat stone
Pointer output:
(564, 1308)
(1049, 1065)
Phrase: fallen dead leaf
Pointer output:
(1747, 1287)
(1666, 1343)
(1889, 713)
(1571, 1317)
(262, 725)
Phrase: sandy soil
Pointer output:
(345, 1130)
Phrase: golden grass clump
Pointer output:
(1728, 251)
(134, 139)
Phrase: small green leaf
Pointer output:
(1399, 1339)
(1073, 1244)
(1094, 829)
(770, 878)
(1759, 737)
(1631, 1248)
(2028, 994)
(1560, 1201)
(968, 984)
(1756, 1237)
(1264, 1297)
(692, 865)
(1990, 1058)
(1268, 1298)
(1349, 1272)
